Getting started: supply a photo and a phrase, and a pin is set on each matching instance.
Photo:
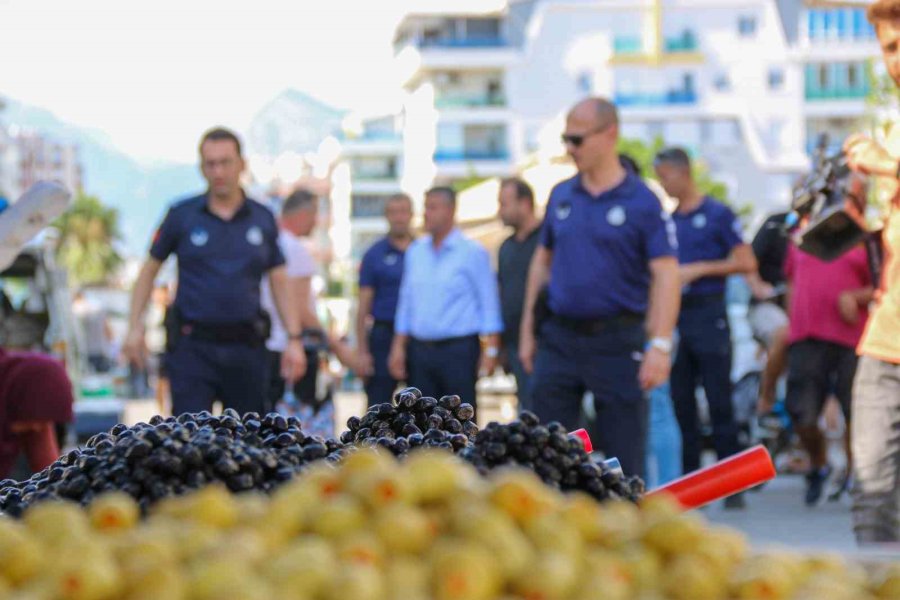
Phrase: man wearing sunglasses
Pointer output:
(608, 256)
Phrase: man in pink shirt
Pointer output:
(828, 311)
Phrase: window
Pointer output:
(584, 82)
(722, 82)
(366, 206)
(776, 79)
(854, 79)
(747, 26)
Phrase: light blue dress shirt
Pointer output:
(448, 292)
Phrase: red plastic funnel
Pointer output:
(725, 478)
(582, 434)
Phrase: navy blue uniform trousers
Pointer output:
(704, 358)
(201, 372)
(445, 367)
(569, 363)
(380, 386)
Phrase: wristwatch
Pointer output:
(662, 344)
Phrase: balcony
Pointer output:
(469, 100)
(627, 45)
(686, 42)
(455, 154)
(462, 42)
(839, 25)
(670, 98)
(843, 93)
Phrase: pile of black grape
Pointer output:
(557, 458)
(171, 455)
(412, 421)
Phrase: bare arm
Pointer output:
(538, 277)
(283, 295)
(662, 315)
(740, 260)
(665, 297)
(308, 318)
(366, 295)
(134, 348)
(140, 294)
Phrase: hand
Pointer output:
(397, 363)
(762, 290)
(293, 362)
(690, 273)
(527, 350)
(654, 369)
(365, 364)
(849, 308)
(866, 156)
(488, 365)
(134, 349)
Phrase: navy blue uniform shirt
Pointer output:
(709, 232)
(602, 246)
(382, 270)
(220, 263)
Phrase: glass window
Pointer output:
(747, 26)
(776, 79)
(585, 82)
(853, 76)
(722, 82)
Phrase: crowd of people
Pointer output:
(609, 296)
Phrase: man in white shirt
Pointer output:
(297, 219)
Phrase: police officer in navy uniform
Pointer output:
(710, 247)
(225, 242)
(379, 290)
(608, 258)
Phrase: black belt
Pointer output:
(382, 323)
(698, 300)
(224, 333)
(595, 326)
(445, 341)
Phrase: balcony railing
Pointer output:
(672, 97)
(684, 43)
(630, 44)
(469, 101)
(844, 93)
(379, 136)
(463, 42)
(373, 175)
(441, 155)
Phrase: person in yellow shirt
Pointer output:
(876, 390)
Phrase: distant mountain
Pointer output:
(292, 121)
(140, 193)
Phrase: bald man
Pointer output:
(608, 258)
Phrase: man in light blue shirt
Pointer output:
(448, 296)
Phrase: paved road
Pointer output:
(776, 516)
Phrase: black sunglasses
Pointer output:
(578, 139)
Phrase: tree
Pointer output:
(88, 230)
(644, 153)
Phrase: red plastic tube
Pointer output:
(582, 434)
(725, 478)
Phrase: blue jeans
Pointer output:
(663, 439)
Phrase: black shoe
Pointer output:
(815, 484)
(736, 502)
(841, 486)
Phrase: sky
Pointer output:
(154, 75)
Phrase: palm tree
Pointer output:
(87, 232)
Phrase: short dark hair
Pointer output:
(217, 134)
(298, 200)
(523, 190)
(448, 193)
(629, 164)
(674, 156)
(400, 197)
(883, 10)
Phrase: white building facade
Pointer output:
(745, 85)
